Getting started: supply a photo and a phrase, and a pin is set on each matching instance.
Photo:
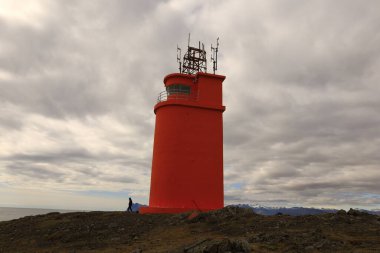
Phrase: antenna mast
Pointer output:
(179, 58)
(214, 55)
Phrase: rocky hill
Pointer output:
(231, 229)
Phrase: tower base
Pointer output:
(148, 209)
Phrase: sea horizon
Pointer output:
(11, 213)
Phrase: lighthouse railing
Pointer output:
(179, 94)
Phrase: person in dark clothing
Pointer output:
(130, 205)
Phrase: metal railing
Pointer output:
(179, 94)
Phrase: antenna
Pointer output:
(214, 55)
(179, 58)
(188, 41)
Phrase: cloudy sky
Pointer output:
(79, 79)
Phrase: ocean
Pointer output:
(11, 213)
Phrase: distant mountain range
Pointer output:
(377, 212)
(296, 211)
(293, 211)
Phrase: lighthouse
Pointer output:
(187, 164)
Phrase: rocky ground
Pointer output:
(228, 230)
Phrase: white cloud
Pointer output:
(24, 12)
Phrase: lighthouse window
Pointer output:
(178, 88)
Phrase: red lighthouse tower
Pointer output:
(187, 167)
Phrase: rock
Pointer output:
(241, 245)
(112, 225)
(137, 251)
(320, 244)
(341, 212)
(52, 213)
(309, 248)
(193, 215)
(219, 246)
(226, 213)
(353, 212)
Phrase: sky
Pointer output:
(79, 79)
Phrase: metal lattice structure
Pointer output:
(194, 60)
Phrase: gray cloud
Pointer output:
(34, 171)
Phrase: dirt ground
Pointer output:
(230, 229)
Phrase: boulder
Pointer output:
(354, 212)
(341, 212)
(219, 246)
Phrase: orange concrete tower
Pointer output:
(187, 167)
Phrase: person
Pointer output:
(130, 205)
